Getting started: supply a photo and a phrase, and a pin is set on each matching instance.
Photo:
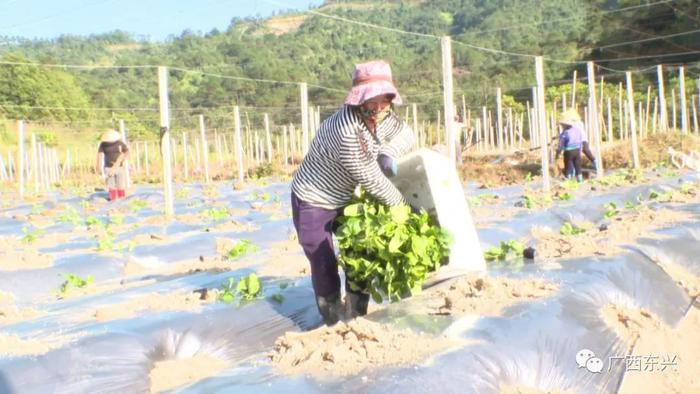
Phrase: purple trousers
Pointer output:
(315, 227)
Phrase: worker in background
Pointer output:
(110, 163)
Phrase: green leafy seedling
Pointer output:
(31, 236)
(241, 248)
(116, 219)
(84, 204)
(249, 287)
(388, 251)
(37, 208)
(227, 292)
(277, 297)
(569, 229)
(93, 221)
(565, 196)
(137, 205)
(284, 285)
(528, 177)
(73, 281)
(70, 215)
(216, 214)
(510, 248)
(687, 188)
(610, 210)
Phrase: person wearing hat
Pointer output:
(357, 145)
(110, 162)
(571, 141)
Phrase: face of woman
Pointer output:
(376, 105)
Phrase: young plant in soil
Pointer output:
(70, 215)
(507, 249)
(249, 287)
(31, 236)
(227, 292)
(73, 281)
(241, 248)
(388, 251)
(570, 229)
(610, 210)
(215, 214)
(137, 205)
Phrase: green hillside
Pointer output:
(491, 43)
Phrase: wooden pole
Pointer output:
(239, 143)
(673, 109)
(593, 120)
(268, 138)
(35, 163)
(416, 133)
(284, 143)
(185, 158)
(165, 141)
(499, 120)
(695, 114)
(146, 159)
(20, 130)
(663, 112)
(541, 121)
(630, 108)
(573, 91)
(205, 148)
(609, 116)
(127, 172)
(681, 93)
(304, 93)
(448, 97)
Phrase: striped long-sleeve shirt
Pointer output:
(343, 154)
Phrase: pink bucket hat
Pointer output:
(370, 80)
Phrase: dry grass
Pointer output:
(497, 170)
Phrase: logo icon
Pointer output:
(585, 358)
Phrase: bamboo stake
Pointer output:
(165, 141)
(539, 75)
(684, 112)
(673, 109)
(499, 120)
(239, 143)
(205, 149)
(268, 138)
(20, 173)
(185, 159)
(663, 113)
(304, 97)
(594, 122)
(630, 107)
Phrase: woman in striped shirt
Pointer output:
(357, 145)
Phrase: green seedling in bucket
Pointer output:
(388, 251)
